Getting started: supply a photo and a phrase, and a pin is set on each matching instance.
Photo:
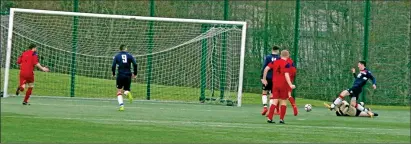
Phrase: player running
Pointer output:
(27, 61)
(123, 81)
(281, 82)
(267, 88)
(345, 109)
(356, 89)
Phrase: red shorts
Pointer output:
(280, 93)
(24, 79)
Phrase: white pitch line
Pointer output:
(153, 101)
(113, 99)
(229, 125)
(127, 106)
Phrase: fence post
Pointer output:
(74, 42)
(366, 37)
(223, 55)
(150, 49)
(203, 78)
(296, 38)
(409, 68)
(266, 27)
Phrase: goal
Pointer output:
(188, 60)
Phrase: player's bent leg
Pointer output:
(360, 107)
(129, 96)
(28, 93)
(292, 102)
(126, 89)
(339, 99)
(22, 84)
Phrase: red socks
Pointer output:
(282, 112)
(28, 93)
(271, 112)
(292, 101)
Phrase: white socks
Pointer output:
(336, 102)
(264, 98)
(120, 99)
(361, 108)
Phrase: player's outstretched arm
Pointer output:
(134, 67)
(38, 65)
(288, 79)
(265, 64)
(113, 67)
(353, 72)
(263, 79)
(19, 60)
(372, 78)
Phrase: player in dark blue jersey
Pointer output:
(267, 88)
(360, 80)
(123, 60)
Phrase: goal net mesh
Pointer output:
(176, 61)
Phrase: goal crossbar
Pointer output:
(128, 17)
(242, 24)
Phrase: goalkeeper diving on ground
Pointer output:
(123, 81)
(345, 109)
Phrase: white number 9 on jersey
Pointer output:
(124, 57)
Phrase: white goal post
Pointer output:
(240, 24)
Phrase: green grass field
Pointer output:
(79, 120)
(65, 119)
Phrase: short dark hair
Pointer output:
(122, 47)
(276, 48)
(363, 63)
(32, 46)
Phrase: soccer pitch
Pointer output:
(96, 120)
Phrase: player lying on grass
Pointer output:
(123, 81)
(27, 61)
(281, 85)
(345, 109)
(360, 80)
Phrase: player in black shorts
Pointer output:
(123, 81)
(360, 80)
(267, 88)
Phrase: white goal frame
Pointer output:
(243, 24)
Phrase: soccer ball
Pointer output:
(308, 107)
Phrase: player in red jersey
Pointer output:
(281, 82)
(27, 61)
(293, 72)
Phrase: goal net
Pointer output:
(178, 59)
